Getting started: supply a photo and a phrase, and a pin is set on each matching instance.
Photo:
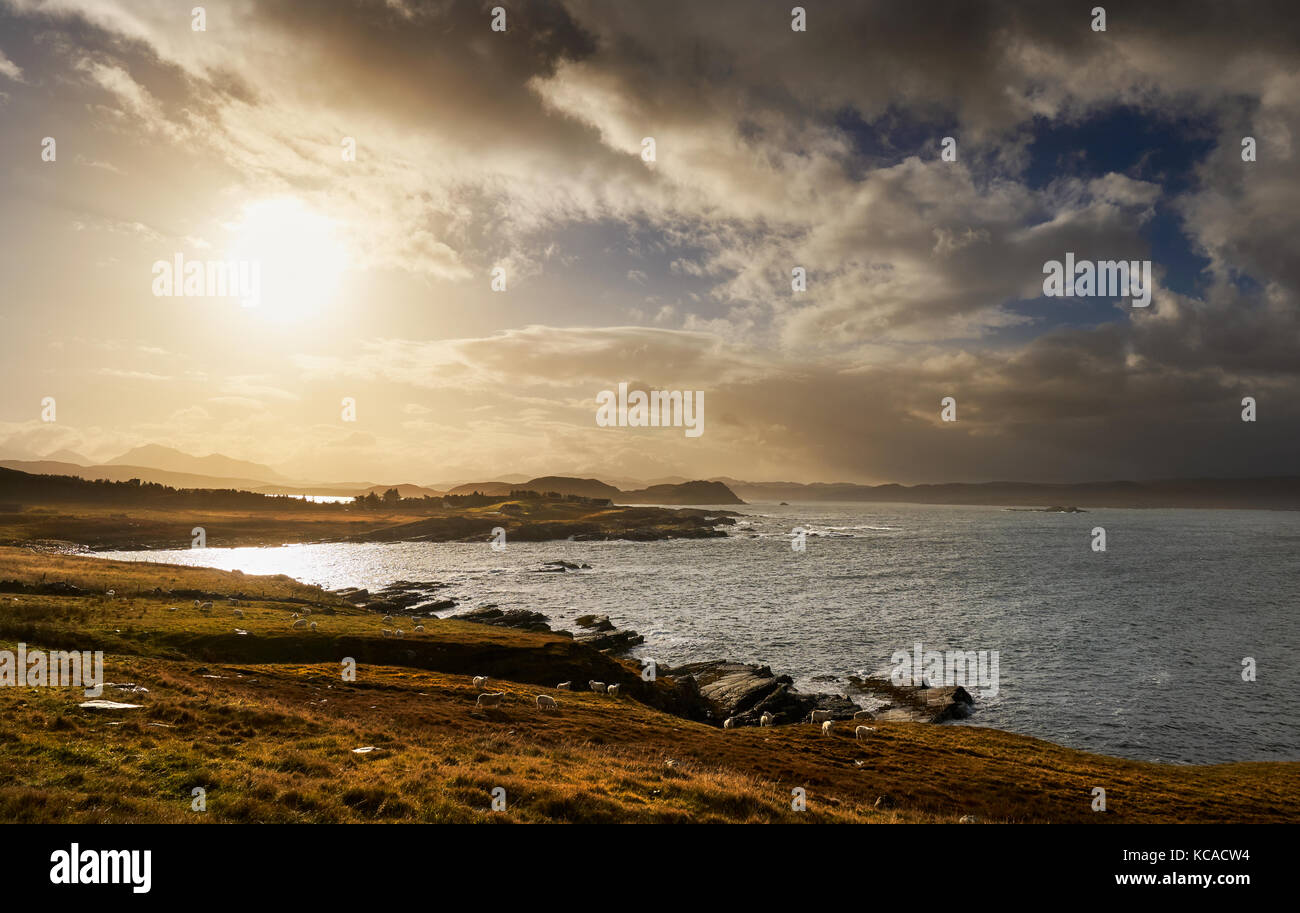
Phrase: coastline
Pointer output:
(421, 700)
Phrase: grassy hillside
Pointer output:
(265, 723)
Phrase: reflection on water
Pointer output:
(1135, 651)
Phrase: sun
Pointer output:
(298, 252)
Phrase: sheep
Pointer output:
(489, 700)
(387, 619)
(863, 732)
(729, 723)
(820, 716)
(399, 633)
(312, 626)
(419, 629)
(111, 593)
(546, 702)
(613, 690)
(239, 613)
(387, 633)
(480, 681)
(864, 715)
(827, 726)
(564, 686)
(206, 605)
(196, 603)
(598, 687)
(766, 719)
(300, 623)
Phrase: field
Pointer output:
(266, 725)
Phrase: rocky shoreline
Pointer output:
(715, 691)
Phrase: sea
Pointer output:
(1177, 642)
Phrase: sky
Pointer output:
(522, 151)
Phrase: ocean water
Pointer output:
(1136, 651)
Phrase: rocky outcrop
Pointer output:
(745, 692)
(916, 705)
(523, 619)
(560, 566)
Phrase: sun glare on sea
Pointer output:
(300, 255)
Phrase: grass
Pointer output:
(130, 527)
(266, 724)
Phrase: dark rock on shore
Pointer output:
(523, 619)
(746, 692)
(917, 705)
(601, 634)
(560, 566)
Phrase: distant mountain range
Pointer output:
(167, 466)
(1277, 493)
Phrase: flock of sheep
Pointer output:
(816, 716)
(544, 701)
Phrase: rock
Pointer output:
(917, 705)
(745, 692)
(560, 566)
(522, 619)
(107, 705)
(611, 641)
(598, 622)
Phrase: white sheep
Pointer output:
(820, 716)
(111, 593)
(827, 727)
(239, 613)
(300, 623)
(419, 629)
(863, 732)
(387, 619)
(729, 723)
(613, 689)
(480, 681)
(564, 686)
(196, 603)
(546, 702)
(306, 611)
(387, 633)
(399, 633)
(864, 715)
(766, 719)
(206, 606)
(489, 700)
(312, 626)
(598, 687)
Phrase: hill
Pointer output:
(214, 464)
(682, 493)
